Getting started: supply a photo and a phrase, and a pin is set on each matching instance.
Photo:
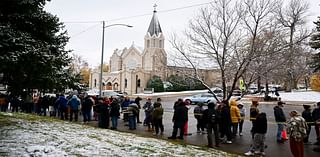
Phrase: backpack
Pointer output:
(253, 113)
(197, 112)
(297, 128)
(214, 117)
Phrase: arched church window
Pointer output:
(154, 43)
(148, 43)
(95, 82)
(125, 83)
(160, 43)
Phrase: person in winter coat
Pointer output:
(211, 119)
(254, 111)
(124, 108)
(235, 117)
(74, 104)
(114, 113)
(86, 109)
(132, 112)
(198, 114)
(259, 128)
(14, 103)
(137, 101)
(316, 119)
(280, 119)
(157, 115)
(297, 130)
(103, 113)
(225, 121)
(148, 109)
(242, 117)
(180, 117)
(62, 106)
(306, 114)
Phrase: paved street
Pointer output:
(240, 144)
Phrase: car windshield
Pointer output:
(206, 95)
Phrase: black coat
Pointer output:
(114, 109)
(316, 114)
(306, 114)
(180, 114)
(260, 125)
(225, 115)
(87, 104)
(279, 115)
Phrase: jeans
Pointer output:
(241, 126)
(258, 142)
(114, 121)
(86, 115)
(75, 113)
(132, 122)
(158, 125)
(212, 128)
(279, 133)
(234, 129)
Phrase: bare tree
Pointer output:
(215, 34)
(291, 16)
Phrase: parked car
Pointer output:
(217, 91)
(111, 93)
(202, 98)
(253, 90)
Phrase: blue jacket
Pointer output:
(61, 102)
(74, 103)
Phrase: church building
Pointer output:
(131, 68)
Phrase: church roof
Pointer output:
(154, 27)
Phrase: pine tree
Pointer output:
(315, 43)
(32, 46)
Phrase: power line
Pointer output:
(141, 15)
(91, 27)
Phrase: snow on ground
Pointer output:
(301, 96)
(30, 135)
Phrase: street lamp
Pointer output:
(101, 66)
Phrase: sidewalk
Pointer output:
(241, 144)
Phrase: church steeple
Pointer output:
(154, 27)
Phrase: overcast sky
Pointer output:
(83, 18)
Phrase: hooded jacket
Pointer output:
(234, 112)
(74, 103)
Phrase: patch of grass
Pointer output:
(95, 137)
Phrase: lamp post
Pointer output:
(101, 66)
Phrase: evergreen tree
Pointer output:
(315, 43)
(32, 46)
(156, 83)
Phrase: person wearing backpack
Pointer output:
(254, 111)
(211, 118)
(297, 131)
(198, 114)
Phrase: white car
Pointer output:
(202, 98)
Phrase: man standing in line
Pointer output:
(180, 117)
(316, 118)
(280, 119)
(211, 119)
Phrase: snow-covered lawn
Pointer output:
(29, 135)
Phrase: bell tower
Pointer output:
(154, 55)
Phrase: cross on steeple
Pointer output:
(155, 8)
